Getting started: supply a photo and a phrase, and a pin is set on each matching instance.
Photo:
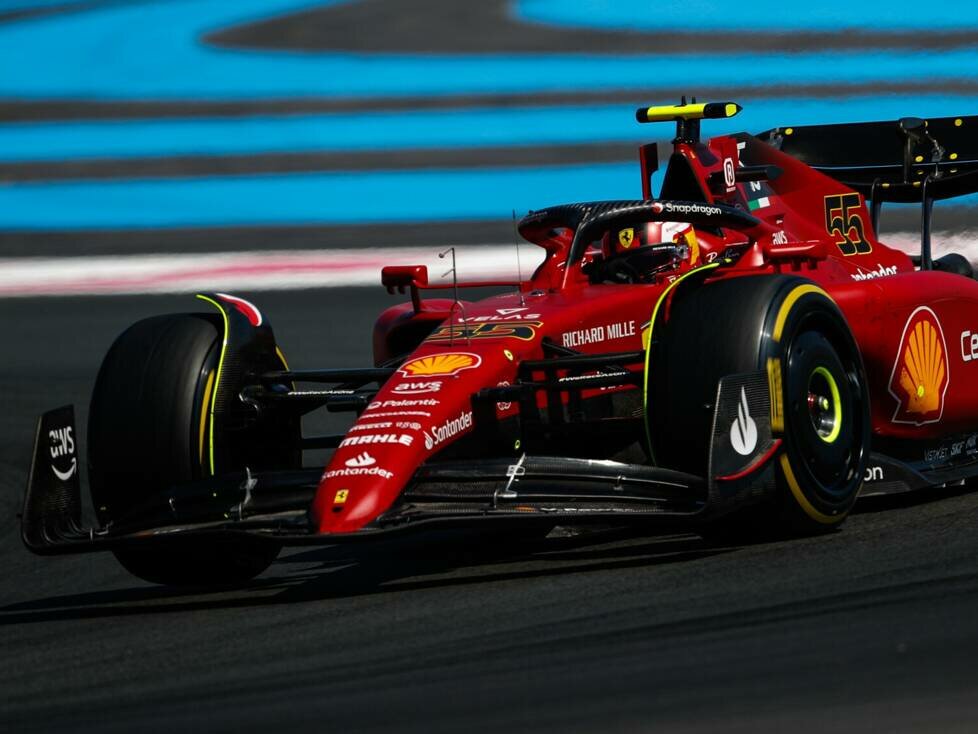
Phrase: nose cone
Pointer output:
(369, 469)
(424, 407)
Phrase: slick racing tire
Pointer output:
(145, 433)
(737, 326)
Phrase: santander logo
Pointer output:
(449, 429)
(363, 459)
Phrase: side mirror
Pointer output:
(400, 277)
(403, 276)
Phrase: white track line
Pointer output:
(254, 270)
(294, 269)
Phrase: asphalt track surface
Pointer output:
(873, 628)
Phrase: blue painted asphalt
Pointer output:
(339, 198)
(152, 50)
(7, 6)
(428, 129)
(334, 198)
(761, 15)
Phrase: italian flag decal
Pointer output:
(758, 203)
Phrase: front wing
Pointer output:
(522, 490)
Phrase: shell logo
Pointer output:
(438, 365)
(921, 373)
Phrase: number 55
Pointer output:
(845, 223)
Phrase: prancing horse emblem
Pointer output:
(626, 237)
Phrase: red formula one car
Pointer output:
(739, 352)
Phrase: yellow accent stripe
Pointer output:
(217, 379)
(282, 357)
(802, 500)
(203, 412)
(672, 111)
(788, 302)
(693, 111)
(648, 345)
(836, 401)
(777, 397)
(694, 246)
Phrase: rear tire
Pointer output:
(735, 326)
(146, 433)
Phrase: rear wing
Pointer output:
(890, 161)
(910, 160)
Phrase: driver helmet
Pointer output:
(652, 233)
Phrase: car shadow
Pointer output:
(884, 502)
(435, 560)
(384, 567)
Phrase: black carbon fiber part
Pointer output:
(857, 154)
(729, 418)
(588, 218)
(52, 504)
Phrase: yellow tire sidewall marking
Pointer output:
(217, 379)
(802, 500)
(786, 305)
(204, 405)
(786, 470)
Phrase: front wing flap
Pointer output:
(274, 504)
(545, 489)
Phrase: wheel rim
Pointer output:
(824, 404)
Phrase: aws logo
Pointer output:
(921, 372)
(62, 444)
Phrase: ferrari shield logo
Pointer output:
(626, 237)
(920, 373)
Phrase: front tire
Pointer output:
(780, 323)
(146, 433)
